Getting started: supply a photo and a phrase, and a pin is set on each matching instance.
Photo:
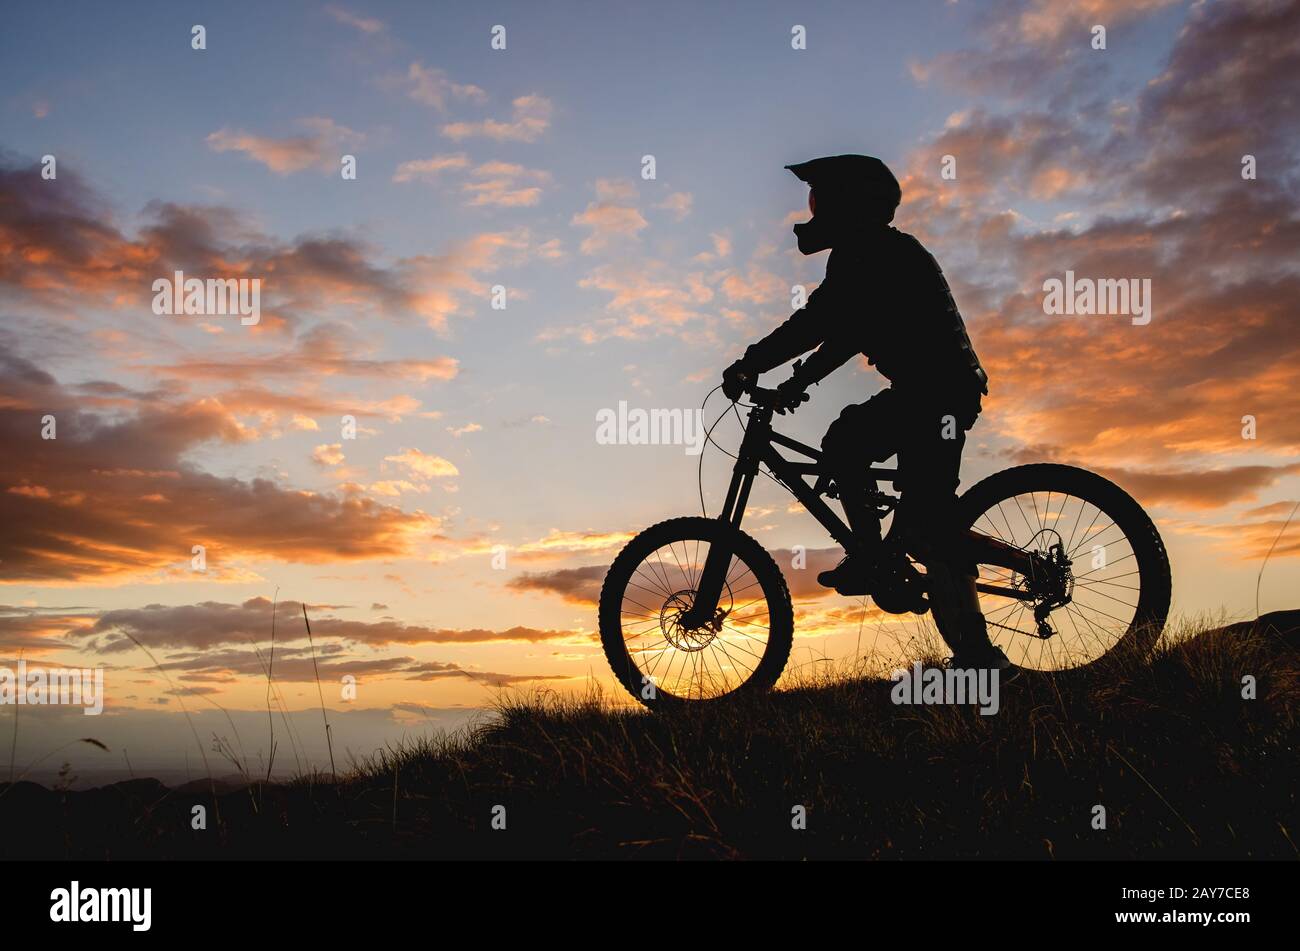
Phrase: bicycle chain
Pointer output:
(1015, 629)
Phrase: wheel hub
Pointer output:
(684, 638)
(1049, 580)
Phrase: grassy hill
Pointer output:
(1183, 765)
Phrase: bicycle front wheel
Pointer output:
(652, 583)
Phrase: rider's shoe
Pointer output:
(850, 576)
(891, 580)
(988, 657)
(975, 650)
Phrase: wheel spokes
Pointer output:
(1103, 580)
(705, 662)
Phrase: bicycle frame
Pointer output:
(759, 447)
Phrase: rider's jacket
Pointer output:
(884, 296)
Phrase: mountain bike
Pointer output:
(694, 609)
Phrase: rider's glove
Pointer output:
(791, 394)
(734, 379)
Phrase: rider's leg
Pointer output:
(861, 516)
(951, 577)
(859, 436)
(925, 514)
(927, 520)
(863, 433)
(954, 605)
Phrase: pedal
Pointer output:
(902, 591)
(901, 602)
(853, 589)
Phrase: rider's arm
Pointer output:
(802, 330)
(829, 357)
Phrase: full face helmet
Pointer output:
(847, 194)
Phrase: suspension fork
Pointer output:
(714, 575)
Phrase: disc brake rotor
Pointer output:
(683, 638)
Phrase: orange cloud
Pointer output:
(64, 253)
(611, 217)
(530, 119)
(120, 502)
(208, 625)
(431, 87)
(321, 147)
(428, 466)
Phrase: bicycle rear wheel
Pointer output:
(1109, 590)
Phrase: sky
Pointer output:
(454, 548)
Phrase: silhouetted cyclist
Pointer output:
(884, 296)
